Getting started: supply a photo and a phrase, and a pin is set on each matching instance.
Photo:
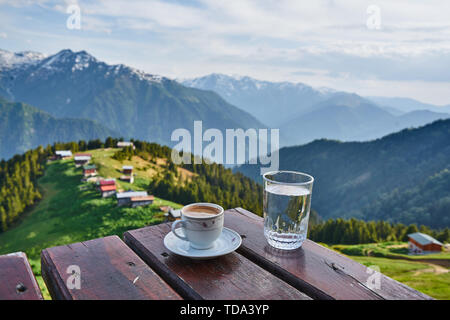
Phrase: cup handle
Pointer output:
(174, 225)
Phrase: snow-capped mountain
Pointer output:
(304, 113)
(131, 102)
(270, 102)
(42, 65)
(10, 60)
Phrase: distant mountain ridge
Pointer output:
(24, 127)
(402, 177)
(349, 117)
(304, 113)
(407, 104)
(270, 102)
(133, 103)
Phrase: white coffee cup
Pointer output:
(202, 224)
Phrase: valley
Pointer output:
(402, 177)
(73, 211)
(429, 274)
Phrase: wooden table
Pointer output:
(140, 267)
(17, 281)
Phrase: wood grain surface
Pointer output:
(228, 277)
(108, 270)
(319, 272)
(17, 281)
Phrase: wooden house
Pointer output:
(174, 214)
(108, 190)
(82, 159)
(124, 198)
(105, 182)
(165, 209)
(141, 201)
(89, 170)
(127, 170)
(420, 243)
(63, 154)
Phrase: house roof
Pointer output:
(64, 153)
(142, 198)
(108, 188)
(107, 182)
(124, 144)
(176, 213)
(82, 158)
(165, 208)
(423, 238)
(127, 167)
(131, 194)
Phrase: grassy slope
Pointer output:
(87, 216)
(68, 214)
(390, 257)
(392, 250)
(414, 274)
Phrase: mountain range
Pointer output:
(133, 104)
(273, 103)
(130, 102)
(403, 105)
(303, 113)
(403, 177)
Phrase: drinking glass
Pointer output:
(287, 202)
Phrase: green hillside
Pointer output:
(23, 127)
(429, 274)
(402, 177)
(428, 202)
(72, 211)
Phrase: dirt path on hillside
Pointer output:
(434, 268)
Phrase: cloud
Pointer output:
(3, 35)
(322, 40)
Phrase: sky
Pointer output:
(373, 48)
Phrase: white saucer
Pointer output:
(228, 241)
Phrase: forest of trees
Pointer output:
(354, 231)
(425, 203)
(18, 184)
(403, 177)
(210, 183)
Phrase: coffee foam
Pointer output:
(200, 211)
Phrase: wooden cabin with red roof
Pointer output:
(107, 187)
(108, 190)
(420, 243)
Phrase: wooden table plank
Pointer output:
(17, 281)
(108, 270)
(319, 272)
(228, 277)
